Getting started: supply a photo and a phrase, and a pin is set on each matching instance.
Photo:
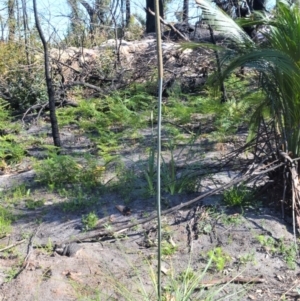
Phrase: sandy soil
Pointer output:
(108, 268)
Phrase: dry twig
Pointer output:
(12, 245)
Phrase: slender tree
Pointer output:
(50, 89)
(26, 30)
(97, 12)
(128, 14)
(92, 12)
(11, 5)
(76, 31)
(101, 9)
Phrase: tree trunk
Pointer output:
(150, 19)
(128, 15)
(92, 14)
(50, 89)
(26, 30)
(185, 11)
(76, 31)
(11, 20)
(100, 8)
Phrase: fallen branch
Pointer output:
(237, 280)
(29, 250)
(13, 245)
(85, 85)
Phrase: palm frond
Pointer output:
(262, 60)
(220, 21)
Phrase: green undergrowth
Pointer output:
(15, 194)
(225, 119)
(77, 179)
(219, 258)
(109, 120)
(287, 251)
(11, 150)
(6, 219)
(115, 118)
(113, 122)
(239, 196)
(59, 171)
(89, 221)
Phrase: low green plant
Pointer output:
(268, 242)
(78, 199)
(11, 273)
(178, 110)
(150, 172)
(10, 253)
(6, 124)
(174, 182)
(219, 258)
(15, 194)
(89, 221)
(11, 150)
(186, 286)
(34, 204)
(288, 252)
(126, 184)
(61, 171)
(238, 196)
(187, 274)
(245, 258)
(108, 227)
(168, 249)
(6, 219)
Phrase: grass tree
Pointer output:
(276, 61)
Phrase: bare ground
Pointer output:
(105, 268)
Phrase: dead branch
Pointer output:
(169, 25)
(295, 191)
(45, 105)
(34, 107)
(65, 65)
(13, 245)
(29, 250)
(85, 85)
(237, 280)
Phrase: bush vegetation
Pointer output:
(113, 121)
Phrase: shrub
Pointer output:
(59, 171)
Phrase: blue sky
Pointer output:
(53, 13)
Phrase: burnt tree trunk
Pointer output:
(50, 89)
(185, 11)
(128, 14)
(150, 19)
